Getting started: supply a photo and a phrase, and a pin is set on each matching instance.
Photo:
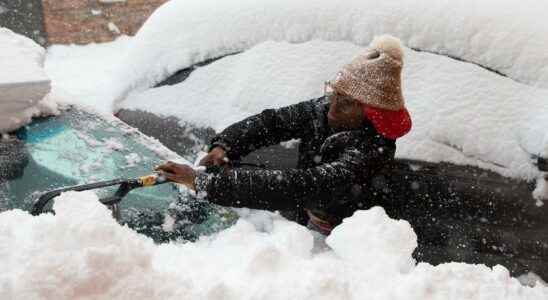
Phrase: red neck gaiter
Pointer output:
(389, 123)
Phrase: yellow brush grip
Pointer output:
(148, 180)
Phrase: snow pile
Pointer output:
(82, 253)
(503, 35)
(23, 82)
(269, 75)
(492, 33)
(388, 240)
(461, 113)
(84, 71)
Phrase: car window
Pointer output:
(78, 147)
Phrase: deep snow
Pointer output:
(507, 37)
(82, 72)
(502, 35)
(82, 253)
(23, 81)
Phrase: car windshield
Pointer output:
(75, 148)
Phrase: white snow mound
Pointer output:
(84, 72)
(23, 82)
(505, 36)
(387, 240)
(502, 35)
(82, 253)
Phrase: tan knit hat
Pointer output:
(374, 77)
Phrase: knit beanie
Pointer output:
(374, 77)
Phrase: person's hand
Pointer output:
(178, 173)
(215, 157)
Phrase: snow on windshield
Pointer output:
(82, 253)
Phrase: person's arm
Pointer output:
(270, 127)
(282, 190)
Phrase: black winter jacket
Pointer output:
(334, 168)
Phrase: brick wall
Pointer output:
(85, 21)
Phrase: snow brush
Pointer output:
(125, 186)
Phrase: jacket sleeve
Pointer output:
(270, 127)
(273, 190)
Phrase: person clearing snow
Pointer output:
(348, 137)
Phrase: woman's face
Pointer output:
(344, 111)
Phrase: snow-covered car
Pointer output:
(459, 212)
(76, 148)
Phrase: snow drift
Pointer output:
(496, 34)
(82, 253)
(23, 82)
(505, 36)
(84, 72)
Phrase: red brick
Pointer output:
(71, 21)
(66, 4)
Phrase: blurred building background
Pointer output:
(75, 21)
